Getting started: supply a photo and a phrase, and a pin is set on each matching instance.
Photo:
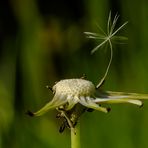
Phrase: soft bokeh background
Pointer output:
(42, 41)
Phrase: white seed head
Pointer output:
(74, 87)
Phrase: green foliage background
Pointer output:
(42, 42)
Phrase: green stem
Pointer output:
(75, 137)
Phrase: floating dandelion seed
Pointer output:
(72, 97)
(106, 38)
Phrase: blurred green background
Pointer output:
(42, 41)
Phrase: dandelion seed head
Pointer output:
(74, 87)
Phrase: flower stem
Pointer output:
(75, 137)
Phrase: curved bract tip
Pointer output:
(29, 113)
